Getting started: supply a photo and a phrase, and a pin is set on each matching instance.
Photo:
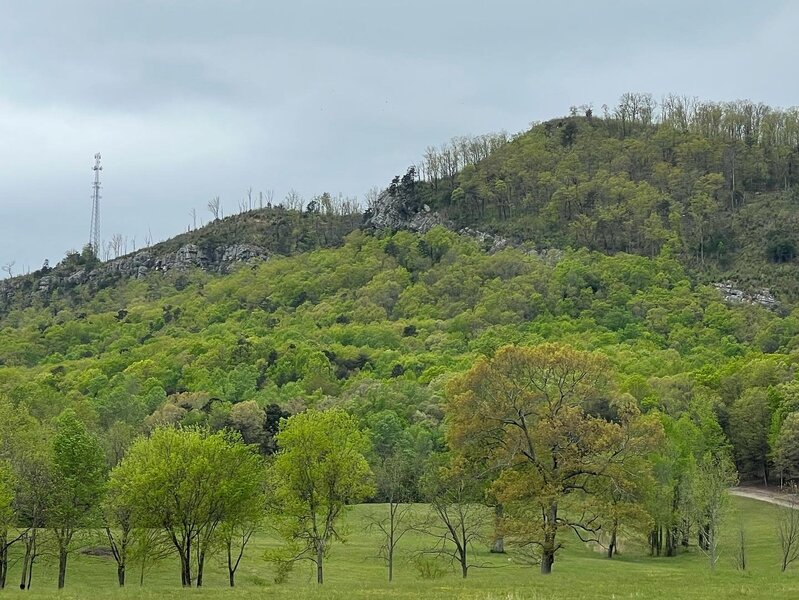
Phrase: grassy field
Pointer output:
(353, 571)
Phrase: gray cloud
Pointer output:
(187, 99)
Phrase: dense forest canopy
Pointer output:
(432, 357)
(714, 182)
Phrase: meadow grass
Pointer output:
(354, 571)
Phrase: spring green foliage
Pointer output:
(177, 381)
(712, 182)
(188, 483)
(379, 325)
(77, 484)
(320, 469)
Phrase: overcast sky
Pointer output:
(189, 99)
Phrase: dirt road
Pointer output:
(770, 496)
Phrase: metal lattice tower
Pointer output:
(94, 233)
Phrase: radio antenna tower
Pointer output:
(94, 233)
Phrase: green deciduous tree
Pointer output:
(532, 409)
(8, 482)
(188, 482)
(320, 469)
(77, 484)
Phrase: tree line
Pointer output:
(540, 444)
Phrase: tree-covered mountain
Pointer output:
(419, 319)
(378, 326)
(712, 183)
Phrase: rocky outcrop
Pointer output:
(139, 265)
(243, 253)
(734, 295)
(490, 243)
(395, 214)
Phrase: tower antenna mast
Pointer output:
(94, 233)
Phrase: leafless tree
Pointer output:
(788, 529)
(117, 245)
(371, 197)
(393, 477)
(214, 206)
(457, 520)
(294, 201)
(9, 267)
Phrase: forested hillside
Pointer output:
(712, 182)
(379, 324)
(602, 388)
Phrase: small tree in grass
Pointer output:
(458, 519)
(788, 529)
(714, 476)
(8, 517)
(119, 529)
(320, 469)
(394, 483)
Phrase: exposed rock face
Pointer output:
(734, 295)
(491, 243)
(392, 212)
(243, 253)
(137, 266)
(190, 255)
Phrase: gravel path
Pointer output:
(772, 497)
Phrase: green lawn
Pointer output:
(353, 571)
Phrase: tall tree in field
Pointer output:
(7, 517)
(119, 518)
(237, 529)
(188, 482)
(320, 469)
(77, 486)
(714, 476)
(395, 485)
(458, 519)
(536, 411)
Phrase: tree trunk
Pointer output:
(391, 561)
(320, 552)
(546, 561)
(62, 567)
(25, 560)
(231, 571)
(612, 544)
(3, 561)
(498, 545)
(32, 558)
(548, 549)
(200, 565)
(121, 574)
(185, 568)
